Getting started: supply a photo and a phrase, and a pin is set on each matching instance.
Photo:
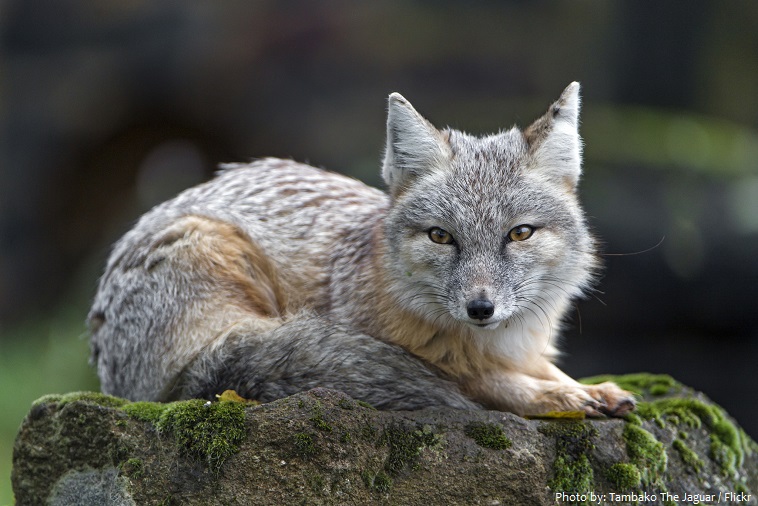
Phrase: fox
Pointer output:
(450, 289)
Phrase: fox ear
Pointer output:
(414, 146)
(554, 143)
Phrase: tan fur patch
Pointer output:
(234, 261)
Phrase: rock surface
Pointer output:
(321, 447)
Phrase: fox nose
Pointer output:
(480, 309)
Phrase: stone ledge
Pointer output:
(322, 447)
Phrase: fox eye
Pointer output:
(521, 233)
(441, 236)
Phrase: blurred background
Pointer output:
(109, 107)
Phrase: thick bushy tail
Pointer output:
(308, 352)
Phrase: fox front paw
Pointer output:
(567, 398)
(609, 399)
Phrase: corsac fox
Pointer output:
(449, 290)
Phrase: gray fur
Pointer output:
(276, 277)
(310, 352)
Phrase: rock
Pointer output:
(321, 447)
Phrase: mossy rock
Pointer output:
(321, 447)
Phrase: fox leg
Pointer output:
(551, 390)
(309, 351)
(613, 401)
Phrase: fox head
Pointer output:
(487, 231)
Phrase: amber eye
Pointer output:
(441, 236)
(521, 233)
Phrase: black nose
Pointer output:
(480, 309)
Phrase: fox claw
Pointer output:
(612, 400)
(594, 408)
(621, 408)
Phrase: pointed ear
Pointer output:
(414, 146)
(554, 143)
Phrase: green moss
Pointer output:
(346, 438)
(107, 401)
(728, 447)
(488, 435)
(572, 470)
(145, 411)
(321, 424)
(646, 453)
(678, 411)
(208, 431)
(211, 432)
(304, 445)
(382, 482)
(571, 433)
(723, 456)
(725, 434)
(659, 389)
(729, 444)
(633, 418)
(133, 468)
(572, 475)
(367, 477)
(405, 446)
(639, 383)
(368, 432)
(47, 399)
(318, 418)
(378, 482)
(689, 457)
(624, 476)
